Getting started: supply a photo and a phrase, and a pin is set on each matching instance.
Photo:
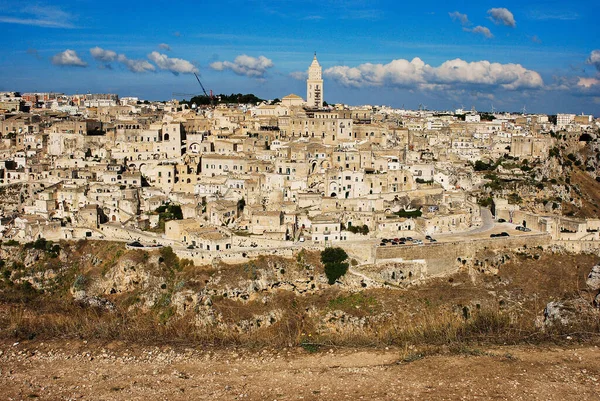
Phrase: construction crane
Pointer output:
(211, 97)
(202, 86)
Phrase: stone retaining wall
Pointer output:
(443, 257)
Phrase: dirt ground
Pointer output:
(77, 370)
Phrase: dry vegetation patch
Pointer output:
(220, 305)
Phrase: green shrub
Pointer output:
(364, 229)
(80, 282)
(482, 166)
(169, 258)
(409, 213)
(486, 202)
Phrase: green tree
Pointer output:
(481, 166)
(334, 271)
(335, 263)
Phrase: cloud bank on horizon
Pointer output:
(452, 73)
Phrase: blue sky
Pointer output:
(540, 54)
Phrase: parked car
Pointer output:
(428, 237)
(385, 240)
(504, 234)
(394, 243)
(383, 244)
(501, 221)
(417, 242)
(401, 243)
(493, 235)
(432, 240)
(409, 238)
(402, 239)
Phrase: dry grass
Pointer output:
(59, 320)
(590, 195)
(457, 314)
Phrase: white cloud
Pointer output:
(462, 18)
(502, 16)
(451, 74)
(68, 58)
(245, 65)
(174, 65)
(42, 16)
(482, 30)
(165, 47)
(299, 75)
(398, 72)
(560, 15)
(588, 82)
(103, 55)
(109, 56)
(136, 66)
(594, 59)
(464, 21)
(508, 76)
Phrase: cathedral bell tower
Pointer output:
(314, 85)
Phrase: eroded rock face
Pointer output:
(339, 321)
(128, 275)
(567, 312)
(402, 273)
(593, 279)
(258, 321)
(94, 301)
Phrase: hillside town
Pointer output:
(231, 181)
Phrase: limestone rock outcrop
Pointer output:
(593, 279)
